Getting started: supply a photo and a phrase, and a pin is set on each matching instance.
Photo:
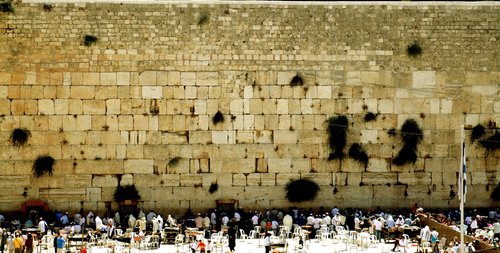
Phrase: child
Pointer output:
(209, 246)
(194, 246)
(201, 246)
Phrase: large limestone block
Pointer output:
(378, 165)
(94, 106)
(82, 92)
(373, 178)
(152, 92)
(414, 178)
(108, 78)
(423, 79)
(138, 166)
(207, 78)
(231, 165)
(193, 180)
(285, 137)
(147, 78)
(284, 178)
(170, 179)
(321, 179)
(440, 164)
(104, 181)
(162, 194)
(239, 180)
(66, 194)
(147, 180)
(15, 181)
(46, 106)
(221, 179)
(92, 194)
(99, 167)
(279, 165)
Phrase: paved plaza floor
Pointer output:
(256, 246)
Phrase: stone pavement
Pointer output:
(256, 246)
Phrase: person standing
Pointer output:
(28, 245)
(267, 242)
(42, 226)
(18, 244)
(201, 246)
(232, 237)
(60, 243)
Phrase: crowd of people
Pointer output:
(484, 226)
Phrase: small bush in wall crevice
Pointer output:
(204, 18)
(174, 162)
(370, 116)
(218, 118)
(412, 135)
(301, 190)
(491, 143)
(414, 49)
(43, 165)
(297, 80)
(477, 132)
(20, 136)
(126, 192)
(337, 130)
(6, 7)
(357, 153)
(213, 188)
(89, 40)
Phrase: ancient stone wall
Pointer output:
(137, 105)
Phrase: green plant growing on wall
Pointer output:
(491, 143)
(213, 188)
(414, 49)
(301, 190)
(20, 136)
(218, 118)
(204, 18)
(370, 116)
(337, 130)
(6, 7)
(477, 132)
(357, 153)
(126, 192)
(47, 7)
(43, 165)
(174, 162)
(297, 81)
(89, 40)
(495, 194)
(412, 135)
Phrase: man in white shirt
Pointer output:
(255, 219)
(378, 228)
(42, 226)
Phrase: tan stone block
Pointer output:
(262, 165)
(285, 137)
(4, 91)
(193, 180)
(256, 106)
(5, 78)
(378, 165)
(68, 194)
(147, 78)
(138, 166)
(207, 78)
(141, 122)
(46, 106)
(147, 180)
(92, 194)
(99, 167)
(108, 78)
(253, 179)
(126, 179)
(280, 165)
(104, 181)
(31, 107)
(269, 106)
(373, 178)
(83, 123)
(341, 178)
(239, 180)
(122, 78)
(415, 178)
(4, 106)
(94, 106)
(61, 106)
(301, 165)
(152, 92)
(82, 92)
(91, 78)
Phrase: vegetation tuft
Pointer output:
(127, 192)
(43, 165)
(218, 118)
(357, 153)
(174, 162)
(370, 116)
(213, 188)
(337, 130)
(20, 136)
(495, 195)
(297, 81)
(477, 132)
(412, 135)
(89, 40)
(301, 190)
(6, 7)
(47, 7)
(491, 143)
(414, 49)
(204, 18)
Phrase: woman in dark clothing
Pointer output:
(28, 245)
(232, 237)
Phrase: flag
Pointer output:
(463, 174)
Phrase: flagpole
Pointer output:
(461, 189)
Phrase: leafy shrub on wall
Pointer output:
(337, 130)
(301, 190)
(126, 192)
(412, 135)
(43, 165)
(20, 136)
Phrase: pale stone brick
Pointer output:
(190, 92)
(248, 92)
(104, 181)
(152, 92)
(423, 79)
(191, 180)
(434, 106)
(256, 106)
(94, 107)
(91, 78)
(83, 123)
(147, 78)
(236, 106)
(269, 106)
(138, 166)
(113, 106)
(244, 137)
(280, 165)
(46, 106)
(123, 78)
(284, 78)
(415, 178)
(108, 78)
(187, 78)
(371, 77)
(268, 179)
(127, 179)
(239, 180)
(207, 78)
(324, 92)
(125, 122)
(446, 106)
(283, 179)
(253, 179)
(82, 92)
(369, 136)
(174, 78)
(141, 122)
(285, 137)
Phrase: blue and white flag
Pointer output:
(463, 174)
